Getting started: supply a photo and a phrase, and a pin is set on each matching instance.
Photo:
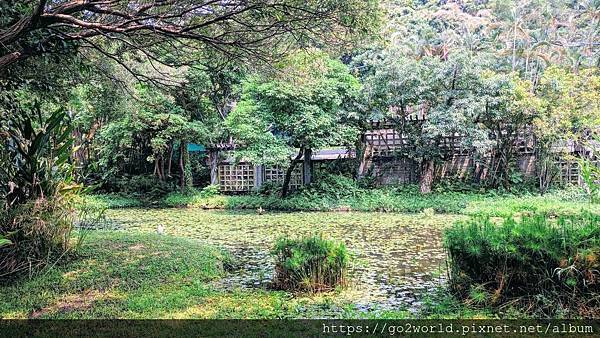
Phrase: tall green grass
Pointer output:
(549, 264)
(310, 264)
(392, 199)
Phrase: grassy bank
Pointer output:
(407, 200)
(118, 275)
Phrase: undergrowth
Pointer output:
(395, 199)
(544, 264)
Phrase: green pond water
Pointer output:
(398, 257)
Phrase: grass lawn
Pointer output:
(119, 275)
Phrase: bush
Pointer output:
(210, 190)
(310, 264)
(336, 186)
(38, 232)
(112, 201)
(536, 260)
(270, 188)
(144, 186)
(399, 199)
(37, 190)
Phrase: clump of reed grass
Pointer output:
(544, 263)
(312, 264)
(38, 232)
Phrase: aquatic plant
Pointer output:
(310, 264)
(546, 262)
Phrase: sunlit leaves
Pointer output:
(302, 105)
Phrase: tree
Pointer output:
(570, 111)
(523, 36)
(148, 131)
(163, 31)
(510, 107)
(429, 101)
(295, 112)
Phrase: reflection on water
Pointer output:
(398, 257)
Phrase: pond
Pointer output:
(398, 257)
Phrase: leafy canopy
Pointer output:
(298, 107)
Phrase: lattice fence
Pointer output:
(236, 177)
(570, 171)
(384, 141)
(277, 174)
(396, 171)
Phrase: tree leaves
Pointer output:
(302, 106)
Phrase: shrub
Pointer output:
(210, 190)
(36, 212)
(112, 201)
(145, 186)
(310, 264)
(270, 188)
(590, 174)
(537, 260)
(38, 232)
(336, 186)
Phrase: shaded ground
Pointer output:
(398, 256)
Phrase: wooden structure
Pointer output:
(383, 159)
(235, 177)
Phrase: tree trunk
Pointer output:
(307, 167)
(170, 159)
(155, 173)
(545, 169)
(427, 173)
(183, 165)
(363, 154)
(161, 167)
(288, 174)
(157, 168)
(213, 157)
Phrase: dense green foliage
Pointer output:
(536, 260)
(590, 174)
(303, 108)
(133, 101)
(36, 197)
(310, 264)
(392, 199)
(463, 95)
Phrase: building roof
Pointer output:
(332, 154)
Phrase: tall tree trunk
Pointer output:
(184, 162)
(363, 155)
(427, 173)
(213, 157)
(157, 168)
(162, 167)
(307, 167)
(288, 174)
(170, 159)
